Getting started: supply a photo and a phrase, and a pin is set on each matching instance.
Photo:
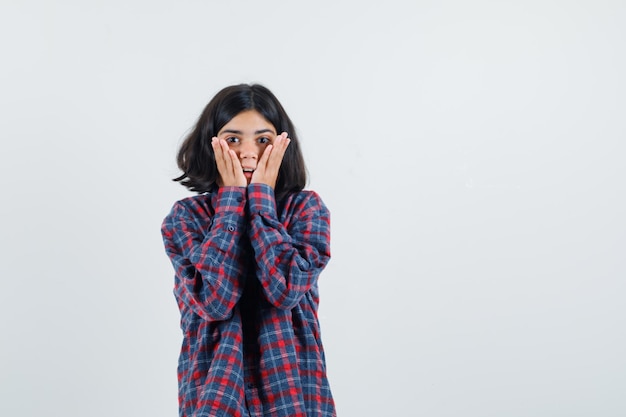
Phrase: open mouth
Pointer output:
(247, 172)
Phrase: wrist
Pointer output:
(231, 199)
(261, 199)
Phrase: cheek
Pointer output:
(260, 149)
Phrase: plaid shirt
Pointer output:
(246, 285)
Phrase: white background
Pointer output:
(471, 153)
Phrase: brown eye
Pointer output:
(232, 139)
(264, 140)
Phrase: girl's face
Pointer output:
(248, 134)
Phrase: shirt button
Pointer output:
(231, 228)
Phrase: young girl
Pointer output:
(247, 253)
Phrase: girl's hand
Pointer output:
(266, 171)
(228, 165)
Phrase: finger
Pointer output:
(238, 177)
(261, 173)
(234, 161)
(284, 142)
(228, 163)
(278, 152)
(265, 157)
(219, 154)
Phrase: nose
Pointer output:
(248, 150)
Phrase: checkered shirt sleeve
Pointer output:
(289, 258)
(207, 251)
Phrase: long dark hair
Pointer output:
(197, 160)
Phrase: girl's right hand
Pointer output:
(228, 165)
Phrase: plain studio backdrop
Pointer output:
(471, 154)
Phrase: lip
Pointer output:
(247, 172)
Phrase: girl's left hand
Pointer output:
(266, 171)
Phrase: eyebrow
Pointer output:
(239, 132)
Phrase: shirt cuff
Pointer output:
(261, 199)
(230, 200)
